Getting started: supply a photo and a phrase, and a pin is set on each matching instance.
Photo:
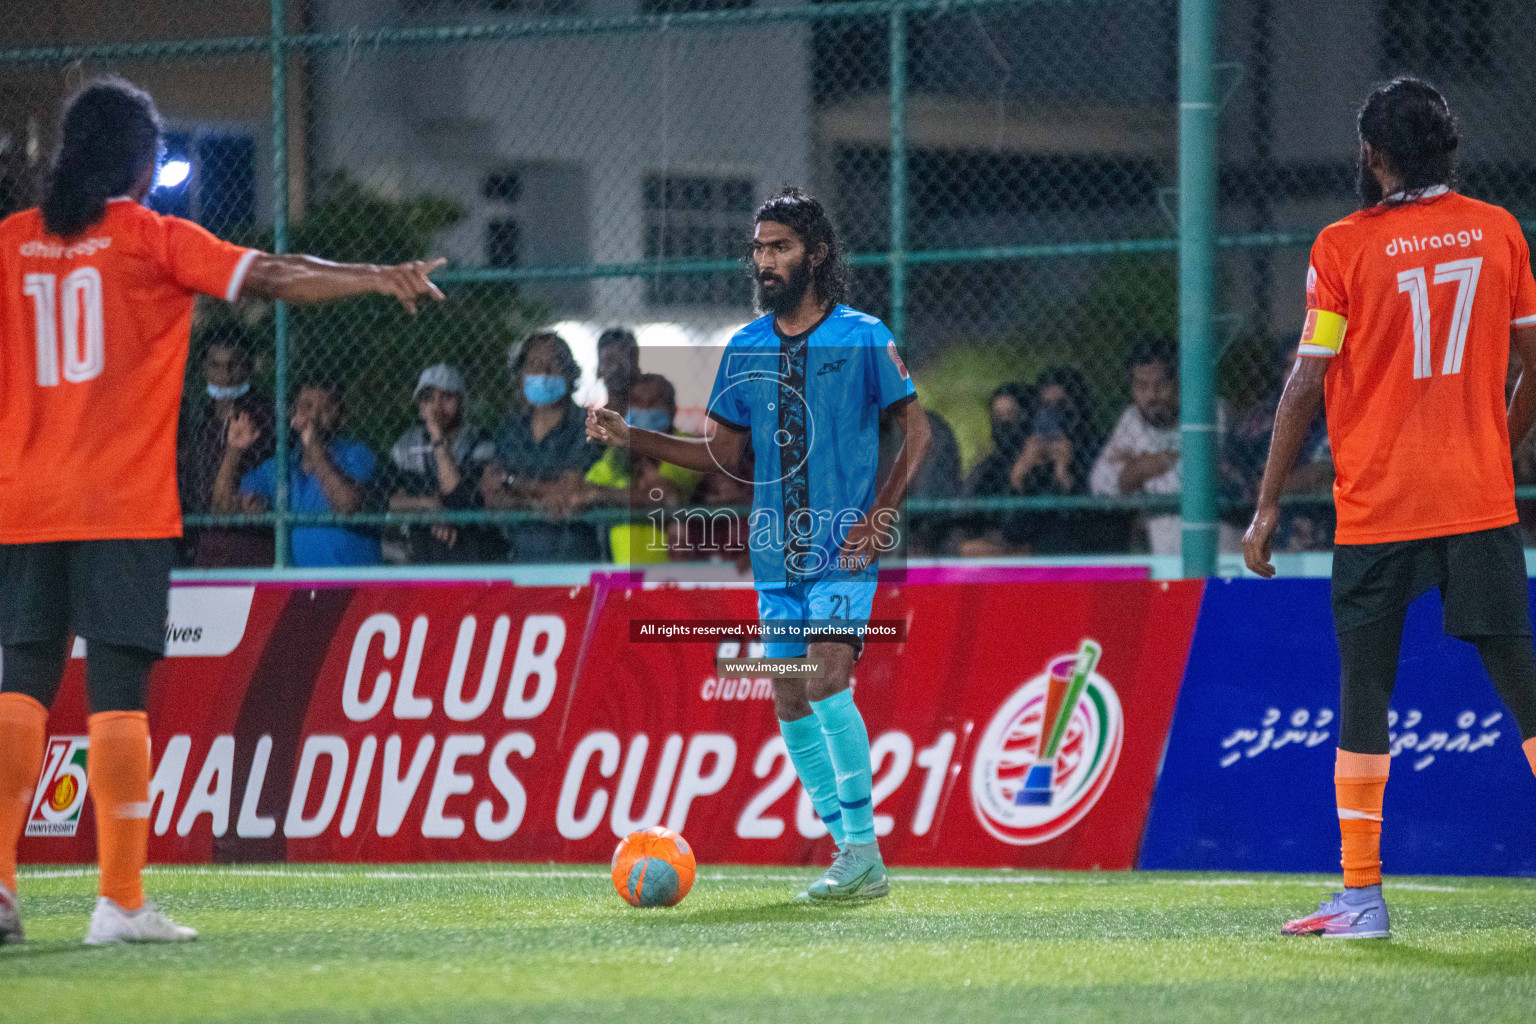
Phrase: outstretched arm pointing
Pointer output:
(308, 279)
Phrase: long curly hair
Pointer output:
(1408, 122)
(803, 214)
(108, 135)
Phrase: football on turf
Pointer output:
(653, 868)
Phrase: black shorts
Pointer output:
(1481, 577)
(107, 591)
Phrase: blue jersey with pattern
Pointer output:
(812, 405)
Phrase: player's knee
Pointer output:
(117, 676)
(837, 669)
(790, 702)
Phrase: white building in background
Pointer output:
(574, 149)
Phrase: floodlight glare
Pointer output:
(173, 173)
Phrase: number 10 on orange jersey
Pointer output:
(83, 330)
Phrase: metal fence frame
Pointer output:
(1196, 240)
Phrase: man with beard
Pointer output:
(1142, 454)
(1432, 287)
(808, 383)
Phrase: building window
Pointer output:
(1435, 38)
(501, 243)
(697, 218)
(208, 176)
(503, 186)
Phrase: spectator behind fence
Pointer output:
(1045, 441)
(227, 369)
(937, 477)
(618, 365)
(437, 464)
(1011, 411)
(327, 473)
(717, 533)
(542, 455)
(1245, 450)
(1142, 454)
(1057, 458)
(620, 478)
(1067, 431)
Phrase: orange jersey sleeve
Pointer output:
(1524, 311)
(1426, 292)
(94, 334)
(203, 263)
(1327, 302)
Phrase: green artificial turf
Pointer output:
(504, 942)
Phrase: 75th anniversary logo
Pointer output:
(60, 794)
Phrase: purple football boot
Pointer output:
(1352, 914)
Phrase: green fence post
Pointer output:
(1197, 283)
(898, 157)
(279, 49)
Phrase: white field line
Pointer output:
(59, 873)
(595, 873)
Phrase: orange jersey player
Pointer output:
(96, 296)
(1412, 305)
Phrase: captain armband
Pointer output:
(1323, 334)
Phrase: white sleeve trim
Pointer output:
(1315, 350)
(1522, 321)
(238, 277)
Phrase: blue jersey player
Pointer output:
(808, 383)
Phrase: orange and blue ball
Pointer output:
(653, 868)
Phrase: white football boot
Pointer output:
(111, 923)
(10, 918)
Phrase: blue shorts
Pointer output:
(823, 604)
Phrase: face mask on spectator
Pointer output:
(1009, 435)
(543, 388)
(659, 420)
(223, 394)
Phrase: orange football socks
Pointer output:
(23, 728)
(1359, 782)
(119, 772)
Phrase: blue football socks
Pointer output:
(848, 743)
(808, 753)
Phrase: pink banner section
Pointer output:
(929, 574)
(1016, 725)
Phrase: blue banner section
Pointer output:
(1247, 781)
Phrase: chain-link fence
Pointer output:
(1005, 174)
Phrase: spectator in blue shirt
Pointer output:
(326, 473)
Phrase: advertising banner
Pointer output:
(1013, 725)
(1248, 780)
(378, 722)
